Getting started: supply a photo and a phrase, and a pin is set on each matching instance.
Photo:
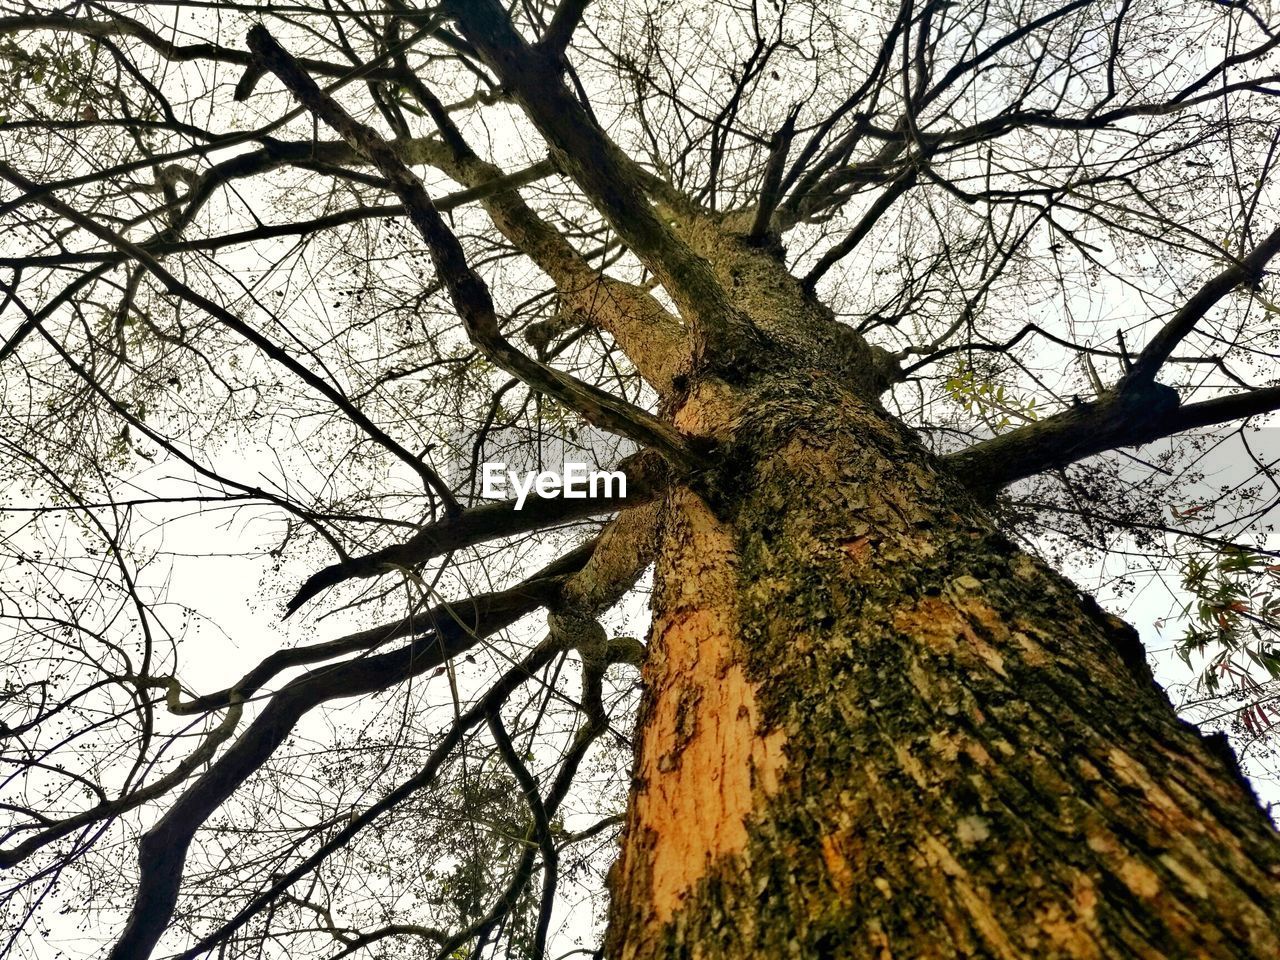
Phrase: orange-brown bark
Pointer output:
(875, 728)
(704, 761)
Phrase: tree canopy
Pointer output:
(279, 278)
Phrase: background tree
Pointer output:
(859, 296)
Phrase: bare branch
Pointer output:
(453, 629)
(492, 521)
(114, 25)
(586, 154)
(1126, 418)
(1247, 272)
(560, 31)
(226, 317)
(469, 293)
(771, 182)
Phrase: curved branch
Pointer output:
(1114, 420)
(113, 808)
(540, 656)
(1248, 271)
(163, 247)
(450, 629)
(650, 336)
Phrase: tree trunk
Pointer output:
(874, 727)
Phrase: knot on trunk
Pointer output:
(572, 630)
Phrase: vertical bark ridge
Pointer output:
(965, 756)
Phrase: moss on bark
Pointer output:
(948, 750)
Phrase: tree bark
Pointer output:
(874, 727)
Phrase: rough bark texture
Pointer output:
(873, 727)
